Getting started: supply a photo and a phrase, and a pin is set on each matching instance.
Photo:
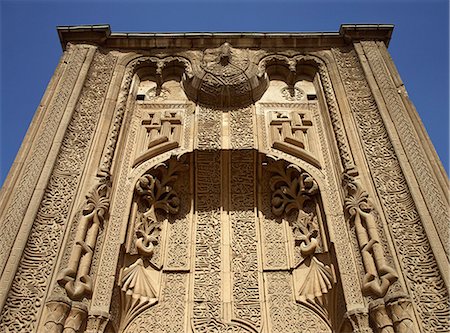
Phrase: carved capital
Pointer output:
(359, 320)
(96, 323)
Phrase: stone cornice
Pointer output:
(101, 35)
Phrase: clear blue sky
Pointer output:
(30, 47)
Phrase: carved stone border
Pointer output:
(436, 203)
(25, 299)
(423, 278)
(40, 147)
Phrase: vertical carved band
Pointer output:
(431, 193)
(244, 262)
(207, 274)
(419, 266)
(30, 283)
(24, 189)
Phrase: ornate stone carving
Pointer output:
(76, 278)
(172, 305)
(209, 128)
(401, 314)
(379, 275)
(207, 276)
(292, 94)
(29, 286)
(76, 319)
(295, 191)
(380, 317)
(139, 291)
(139, 281)
(285, 315)
(241, 128)
(244, 243)
(97, 323)
(359, 321)
(424, 282)
(225, 77)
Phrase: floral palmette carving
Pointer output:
(76, 277)
(139, 281)
(155, 194)
(295, 191)
(379, 275)
(138, 290)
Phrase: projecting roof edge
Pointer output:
(102, 35)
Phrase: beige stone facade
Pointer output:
(224, 182)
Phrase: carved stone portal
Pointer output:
(225, 182)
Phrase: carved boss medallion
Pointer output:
(225, 77)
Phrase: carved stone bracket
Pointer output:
(379, 275)
(76, 278)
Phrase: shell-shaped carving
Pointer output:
(138, 291)
(317, 283)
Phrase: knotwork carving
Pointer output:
(76, 277)
(295, 191)
(379, 275)
(154, 195)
